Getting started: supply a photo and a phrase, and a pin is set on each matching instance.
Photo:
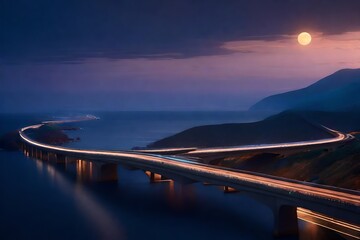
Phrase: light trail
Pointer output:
(182, 164)
(166, 150)
(190, 166)
(312, 217)
(339, 137)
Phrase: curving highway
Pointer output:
(338, 138)
(345, 203)
(334, 193)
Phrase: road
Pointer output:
(338, 137)
(334, 193)
(285, 188)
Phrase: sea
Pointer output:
(39, 200)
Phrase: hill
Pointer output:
(284, 127)
(335, 167)
(336, 92)
(50, 134)
(342, 121)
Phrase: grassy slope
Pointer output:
(339, 167)
(284, 127)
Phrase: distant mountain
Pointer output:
(338, 92)
(284, 127)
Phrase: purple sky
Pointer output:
(187, 72)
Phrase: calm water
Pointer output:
(42, 201)
(125, 130)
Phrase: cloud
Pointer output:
(68, 31)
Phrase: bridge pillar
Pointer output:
(28, 151)
(152, 177)
(52, 157)
(60, 158)
(285, 220)
(70, 163)
(285, 215)
(25, 150)
(228, 189)
(155, 177)
(94, 171)
(105, 172)
(47, 157)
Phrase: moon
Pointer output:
(304, 38)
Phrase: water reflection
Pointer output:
(93, 171)
(312, 231)
(84, 169)
(107, 227)
(178, 200)
(39, 165)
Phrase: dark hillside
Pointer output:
(284, 127)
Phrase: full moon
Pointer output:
(304, 38)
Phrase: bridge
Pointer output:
(285, 197)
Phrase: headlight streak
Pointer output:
(307, 215)
(256, 180)
(294, 186)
